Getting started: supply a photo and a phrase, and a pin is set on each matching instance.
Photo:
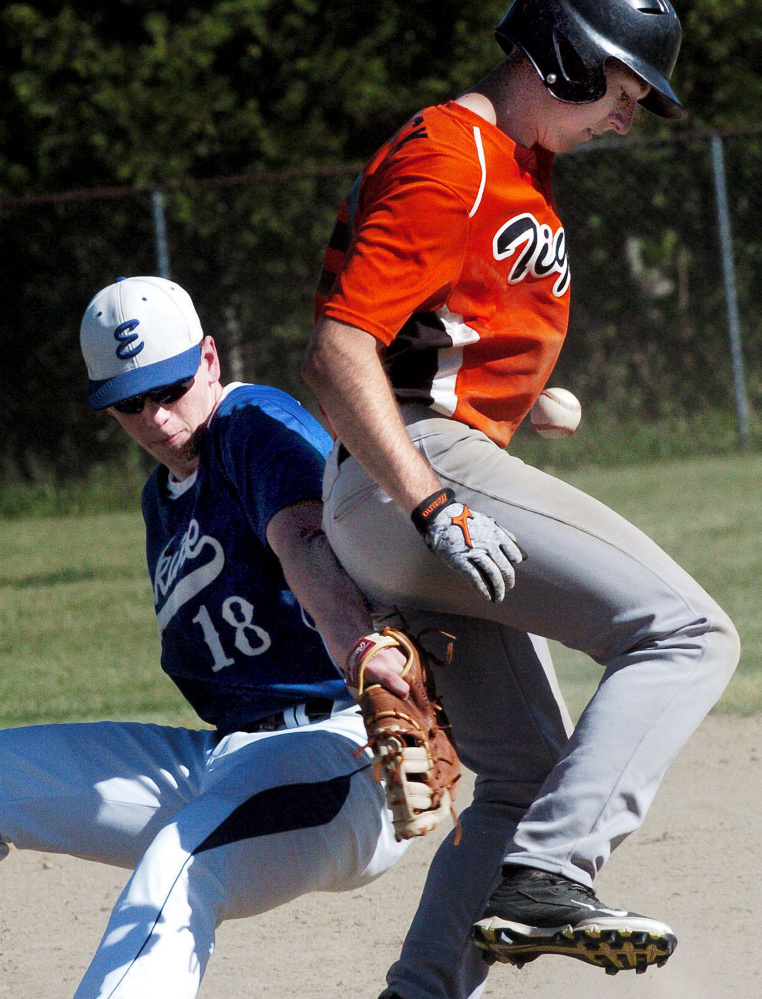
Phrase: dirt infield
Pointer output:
(696, 863)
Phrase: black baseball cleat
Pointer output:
(533, 912)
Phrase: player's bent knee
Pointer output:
(721, 650)
(727, 642)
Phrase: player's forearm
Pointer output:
(318, 581)
(329, 596)
(343, 369)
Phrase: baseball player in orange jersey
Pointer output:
(441, 311)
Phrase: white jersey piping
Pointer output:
(483, 164)
(449, 361)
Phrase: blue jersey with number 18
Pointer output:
(233, 637)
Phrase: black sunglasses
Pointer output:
(161, 396)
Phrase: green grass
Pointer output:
(108, 488)
(608, 439)
(707, 514)
(78, 637)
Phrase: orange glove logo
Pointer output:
(461, 521)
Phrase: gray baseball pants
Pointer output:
(591, 581)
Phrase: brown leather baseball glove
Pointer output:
(413, 750)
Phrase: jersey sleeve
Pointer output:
(272, 452)
(406, 255)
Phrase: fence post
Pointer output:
(160, 233)
(731, 298)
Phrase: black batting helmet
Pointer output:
(569, 41)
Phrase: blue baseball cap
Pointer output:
(137, 335)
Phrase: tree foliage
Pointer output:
(719, 72)
(143, 94)
(139, 92)
(129, 91)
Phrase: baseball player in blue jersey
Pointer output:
(276, 798)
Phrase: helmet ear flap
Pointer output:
(569, 64)
(576, 81)
(573, 69)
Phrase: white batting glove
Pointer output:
(469, 542)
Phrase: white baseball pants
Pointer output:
(214, 830)
(591, 581)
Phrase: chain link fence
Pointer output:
(652, 337)
(650, 330)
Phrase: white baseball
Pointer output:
(556, 413)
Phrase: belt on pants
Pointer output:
(315, 710)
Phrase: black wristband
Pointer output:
(427, 510)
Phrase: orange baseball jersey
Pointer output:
(448, 250)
